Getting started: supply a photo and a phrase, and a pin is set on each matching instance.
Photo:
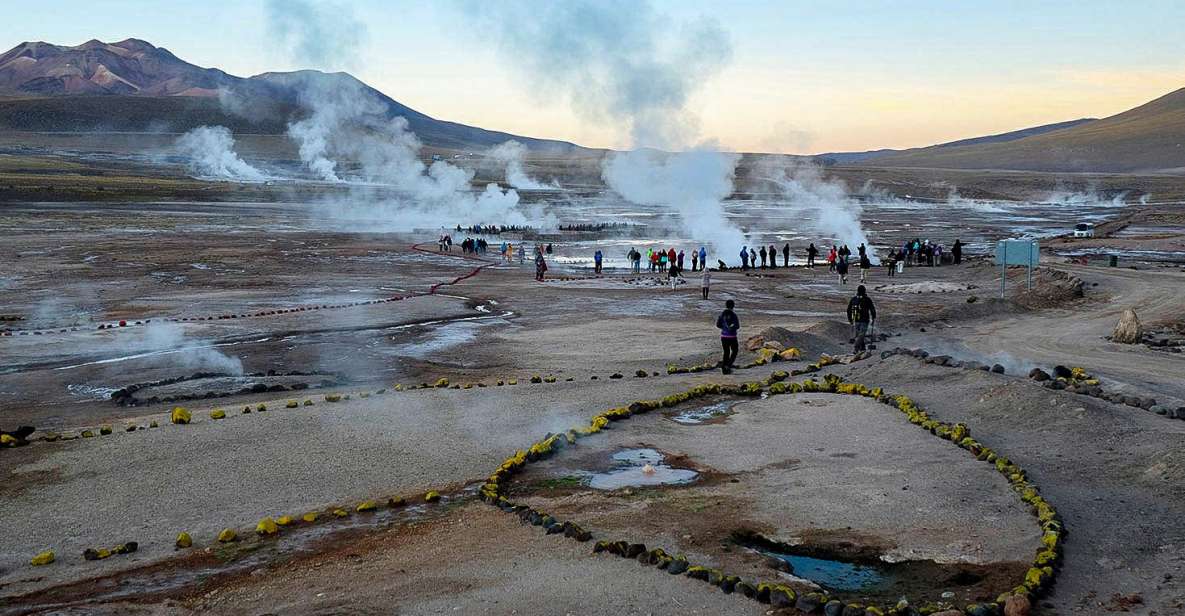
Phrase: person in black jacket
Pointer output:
(861, 315)
(729, 325)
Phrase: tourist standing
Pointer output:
(864, 265)
(744, 258)
(786, 255)
(597, 262)
(705, 282)
(540, 265)
(811, 253)
(832, 257)
(703, 258)
(762, 257)
(730, 326)
(694, 260)
(956, 252)
(679, 261)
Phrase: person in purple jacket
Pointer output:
(730, 326)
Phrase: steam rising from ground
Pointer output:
(195, 355)
(823, 204)
(350, 136)
(510, 155)
(694, 183)
(349, 123)
(622, 63)
(211, 154)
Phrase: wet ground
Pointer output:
(300, 296)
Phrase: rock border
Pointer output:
(1038, 579)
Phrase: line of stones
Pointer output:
(180, 415)
(1039, 577)
(1069, 379)
(124, 323)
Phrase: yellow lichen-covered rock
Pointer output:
(183, 541)
(777, 388)
(43, 558)
(284, 520)
(512, 382)
(309, 517)
(153, 424)
(291, 404)
(333, 397)
(267, 526)
(180, 416)
(308, 402)
(441, 383)
(790, 354)
(246, 410)
(7, 440)
(549, 379)
(227, 535)
(765, 356)
(105, 430)
(217, 414)
(340, 513)
(398, 387)
(87, 434)
(432, 496)
(365, 506)
(259, 408)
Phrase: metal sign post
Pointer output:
(1017, 252)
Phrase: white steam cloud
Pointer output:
(315, 34)
(211, 154)
(622, 63)
(193, 354)
(350, 136)
(823, 205)
(693, 183)
(510, 156)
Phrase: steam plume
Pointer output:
(211, 154)
(823, 205)
(510, 155)
(323, 35)
(622, 63)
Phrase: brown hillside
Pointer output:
(1149, 138)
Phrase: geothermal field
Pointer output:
(284, 406)
(282, 345)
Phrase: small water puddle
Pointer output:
(834, 574)
(640, 467)
(710, 414)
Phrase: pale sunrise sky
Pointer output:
(804, 77)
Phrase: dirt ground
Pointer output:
(367, 306)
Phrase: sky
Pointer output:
(804, 77)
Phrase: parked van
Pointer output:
(1084, 229)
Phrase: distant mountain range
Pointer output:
(1148, 138)
(843, 158)
(133, 85)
